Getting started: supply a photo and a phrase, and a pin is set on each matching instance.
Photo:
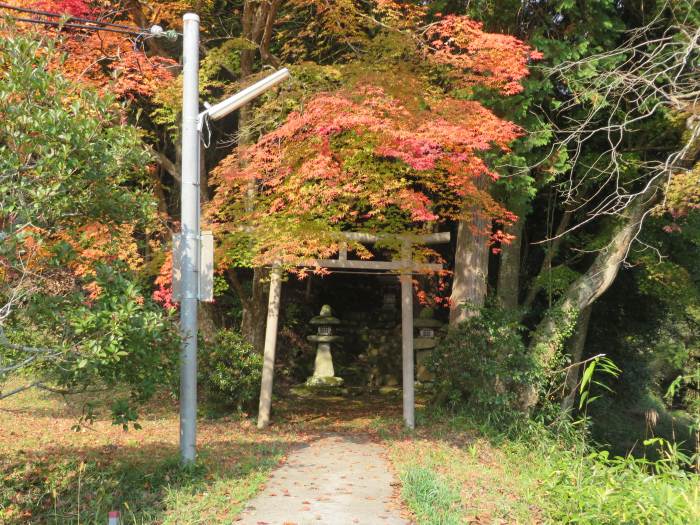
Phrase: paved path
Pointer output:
(336, 480)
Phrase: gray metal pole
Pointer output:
(190, 237)
(407, 348)
(273, 310)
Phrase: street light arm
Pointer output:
(234, 102)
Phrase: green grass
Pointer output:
(597, 489)
(65, 491)
(431, 498)
(451, 473)
(455, 470)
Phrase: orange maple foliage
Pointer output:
(479, 58)
(163, 293)
(311, 173)
(112, 62)
(90, 244)
(376, 157)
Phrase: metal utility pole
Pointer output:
(193, 276)
(189, 239)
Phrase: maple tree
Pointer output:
(370, 156)
(112, 62)
(399, 117)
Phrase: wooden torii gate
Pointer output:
(404, 267)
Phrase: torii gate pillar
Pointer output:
(268, 371)
(407, 359)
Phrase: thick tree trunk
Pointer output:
(258, 20)
(471, 269)
(509, 270)
(576, 346)
(255, 311)
(561, 319)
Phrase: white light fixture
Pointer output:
(223, 108)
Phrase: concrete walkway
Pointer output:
(336, 480)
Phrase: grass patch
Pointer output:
(451, 474)
(456, 470)
(596, 489)
(432, 499)
(53, 475)
(453, 469)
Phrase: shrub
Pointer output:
(230, 370)
(480, 361)
(599, 489)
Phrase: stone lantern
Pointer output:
(424, 342)
(327, 325)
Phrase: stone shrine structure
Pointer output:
(324, 373)
(424, 342)
(403, 268)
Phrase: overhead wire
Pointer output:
(71, 17)
(76, 26)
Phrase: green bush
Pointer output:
(480, 362)
(595, 488)
(121, 338)
(230, 370)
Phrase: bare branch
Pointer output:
(650, 73)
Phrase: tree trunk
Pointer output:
(471, 269)
(561, 319)
(509, 270)
(576, 345)
(207, 321)
(258, 20)
(255, 311)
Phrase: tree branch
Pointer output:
(236, 283)
(167, 164)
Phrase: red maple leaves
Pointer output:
(78, 8)
(489, 59)
(360, 158)
(111, 62)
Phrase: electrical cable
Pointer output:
(75, 26)
(69, 17)
(206, 141)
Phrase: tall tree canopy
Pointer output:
(76, 212)
(389, 150)
(561, 134)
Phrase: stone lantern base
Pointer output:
(424, 346)
(324, 374)
(324, 382)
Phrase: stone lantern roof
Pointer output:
(325, 317)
